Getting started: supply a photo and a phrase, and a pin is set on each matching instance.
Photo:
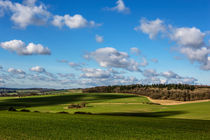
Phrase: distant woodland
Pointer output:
(179, 92)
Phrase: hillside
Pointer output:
(179, 92)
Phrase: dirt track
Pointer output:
(172, 102)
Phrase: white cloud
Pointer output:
(170, 75)
(16, 71)
(188, 37)
(150, 73)
(21, 48)
(135, 50)
(58, 21)
(189, 41)
(152, 77)
(76, 66)
(120, 7)
(99, 38)
(200, 54)
(152, 28)
(206, 66)
(38, 69)
(29, 2)
(27, 13)
(73, 22)
(144, 62)
(188, 80)
(111, 58)
(95, 73)
(151, 80)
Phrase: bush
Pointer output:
(25, 110)
(82, 113)
(74, 106)
(83, 104)
(77, 105)
(12, 109)
(63, 112)
(37, 111)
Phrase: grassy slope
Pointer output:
(106, 103)
(19, 125)
(126, 118)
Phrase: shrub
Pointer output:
(82, 113)
(77, 105)
(74, 106)
(83, 104)
(25, 110)
(12, 109)
(63, 112)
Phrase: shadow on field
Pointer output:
(146, 114)
(37, 101)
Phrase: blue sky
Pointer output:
(80, 43)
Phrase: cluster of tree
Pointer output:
(179, 92)
(25, 92)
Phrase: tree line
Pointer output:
(179, 92)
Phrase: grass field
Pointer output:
(115, 116)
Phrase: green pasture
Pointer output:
(114, 116)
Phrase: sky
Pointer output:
(80, 43)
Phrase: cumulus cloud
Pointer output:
(95, 73)
(188, 80)
(200, 55)
(151, 80)
(41, 70)
(207, 65)
(152, 28)
(150, 73)
(16, 71)
(170, 75)
(26, 13)
(188, 37)
(38, 69)
(152, 77)
(111, 58)
(101, 77)
(29, 2)
(21, 48)
(120, 7)
(99, 38)
(135, 50)
(74, 65)
(29, 13)
(73, 22)
(189, 41)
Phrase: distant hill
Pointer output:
(179, 92)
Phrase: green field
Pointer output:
(114, 116)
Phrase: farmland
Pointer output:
(113, 116)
